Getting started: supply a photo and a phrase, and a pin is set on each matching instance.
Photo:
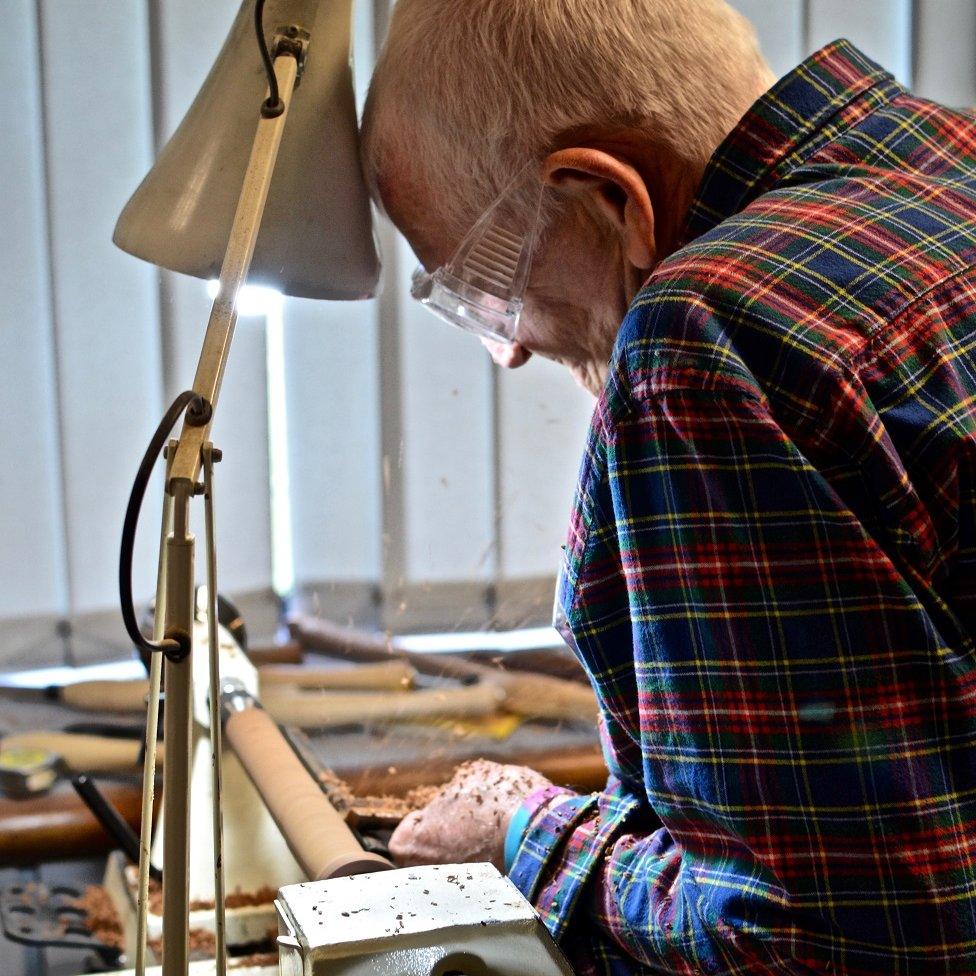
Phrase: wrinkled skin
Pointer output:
(604, 239)
(467, 821)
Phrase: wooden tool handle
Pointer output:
(59, 827)
(539, 696)
(84, 753)
(384, 676)
(318, 710)
(578, 767)
(319, 838)
(290, 653)
(357, 645)
(343, 642)
(106, 696)
(526, 693)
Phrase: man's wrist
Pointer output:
(522, 819)
(516, 831)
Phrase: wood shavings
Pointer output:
(101, 918)
(235, 899)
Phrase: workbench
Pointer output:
(373, 758)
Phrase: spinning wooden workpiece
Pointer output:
(318, 836)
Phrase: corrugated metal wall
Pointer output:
(428, 489)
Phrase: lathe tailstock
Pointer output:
(444, 920)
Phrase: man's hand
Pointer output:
(467, 820)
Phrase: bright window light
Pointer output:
(269, 304)
(279, 462)
(256, 300)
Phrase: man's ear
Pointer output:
(616, 189)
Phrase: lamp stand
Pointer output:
(175, 600)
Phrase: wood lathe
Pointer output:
(285, 826)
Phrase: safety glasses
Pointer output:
(482, 288)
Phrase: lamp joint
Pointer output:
(200, 412)
(292, 40)
(177, 645)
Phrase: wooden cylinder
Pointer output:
(310, 710)
(316, 834)
(106, 696)
(59, 827)
(272, 654)
(542, 696)
(84, 753)
(383, 676)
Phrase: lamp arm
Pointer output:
(233, 273)
(182, 484)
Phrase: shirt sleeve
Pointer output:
(761, 624)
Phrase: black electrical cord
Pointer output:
(197, 406)
(111, 820)
(273, 106)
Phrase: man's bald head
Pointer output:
(467, 92)
(620, 103)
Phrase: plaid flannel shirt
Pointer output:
(771, 569)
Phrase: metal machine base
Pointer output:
(448, 920)
(37, 915)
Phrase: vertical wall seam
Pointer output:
(164, 279)
(497, 555)
(914, 39)
(65, 583)
(393, 548)
(393, 565)
(806, 28)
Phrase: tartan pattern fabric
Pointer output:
(770, 575)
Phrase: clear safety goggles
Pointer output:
(482, 288)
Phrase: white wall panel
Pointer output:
(446, 455)
(242, 489)
(98, 129)
(542, 420)
(334, 426)
(32, 563)
(780, 26)
(945, 51)
(413, 465)
(880, 28)
(188, 37)
(333, 384)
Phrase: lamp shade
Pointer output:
(316, 239)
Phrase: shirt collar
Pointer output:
(779, 131)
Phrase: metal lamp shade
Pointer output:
(316, 239)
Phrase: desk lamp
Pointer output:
(254, 185)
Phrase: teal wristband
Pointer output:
(513, 837)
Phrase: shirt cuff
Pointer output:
(562, 847)
(517, 827)
(524, 823)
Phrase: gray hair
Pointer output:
(467, 92)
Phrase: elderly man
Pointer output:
(770, 575)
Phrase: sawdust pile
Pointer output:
(235, 899)
(363, 810)
(101, 918)
(203, 945)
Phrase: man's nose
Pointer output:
(511, 356)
